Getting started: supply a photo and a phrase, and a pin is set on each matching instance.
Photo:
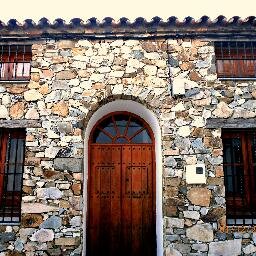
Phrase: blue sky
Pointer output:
(131, 9)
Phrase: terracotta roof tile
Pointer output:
(140, 27)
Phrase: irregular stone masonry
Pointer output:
(70, 79)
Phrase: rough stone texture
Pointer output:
(60, 109)
(32, 95)
(3, 112)
(75, 221)
(70, 80)
(65, 74)
(172, 252)
(223, 110)
(32, 114)
(7, 236)
(17, 110)
(69, 164)
(249, 249)
(214, 214)
(37, 208)
(43, 235)
(200, 232)
(52, 222)
(31, 220)
(191, 215)
(67, 241)
(225, 248)
(199, 196)
(51, 193)
(175, 223)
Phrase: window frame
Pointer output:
(15, 63)
(12, 159)
(241, 207)
(236, 59)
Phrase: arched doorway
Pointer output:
(121, 205)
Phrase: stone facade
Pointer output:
(177, 81)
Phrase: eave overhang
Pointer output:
(218, 29)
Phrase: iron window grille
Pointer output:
(12, 146)
(239, 164)
(15, 62)
(236, 60)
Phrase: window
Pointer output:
(15, 62)
(236, 60)
(12, 146)
(239, 162)
(121, 128)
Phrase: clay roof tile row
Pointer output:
(108, 27)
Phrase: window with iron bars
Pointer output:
(235, 60)
(12, 148)
(15, 62)
(239, 164)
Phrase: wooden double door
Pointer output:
(121, 216)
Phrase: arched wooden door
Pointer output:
(121, 216)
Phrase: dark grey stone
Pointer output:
(172, 238)
(182, 143)
(173, 62)
(54, 252)
(77, 251)
(192, 92)
(197, 143)
(197, 254)
(53, 222)
(18, 244)
(3, 247)
(221, 236)
(180, 231)
(137, 54)
(65, 152)
(230, 123)
(69, 164)
(250, 104)
(183, 248)
(170, 161)
(64, 127)
(7, 236)
(237, 235)
(183, 190)
(212, 69)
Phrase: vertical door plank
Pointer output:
(94, 205)
(105, 201)
(126, 201)
(148, 202)
(115, 195)
(136, 200)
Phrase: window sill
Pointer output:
(241, 222)
(237, 78)
(14, 81)
(10, 223)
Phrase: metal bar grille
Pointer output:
(239, 164)
(15, 62)
(236, 60)
(12, 146)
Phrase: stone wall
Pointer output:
(69, 81)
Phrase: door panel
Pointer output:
(121, 207)
(105, 204)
